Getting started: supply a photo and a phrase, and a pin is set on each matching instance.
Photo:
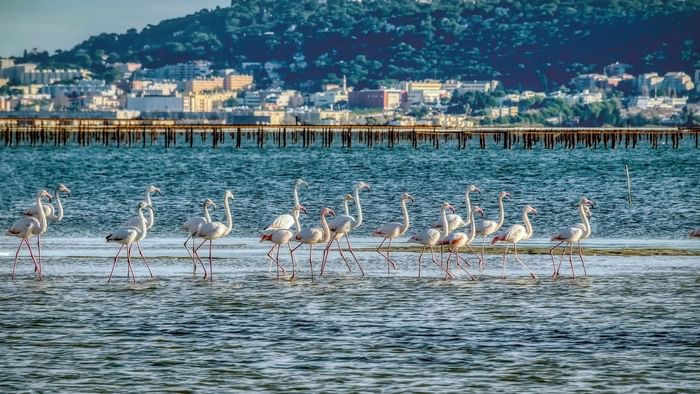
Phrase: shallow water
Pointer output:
(631, 325)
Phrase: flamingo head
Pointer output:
(503, 195)
(530, 209)
(446, 205)
(300, 182)
(473, 189)
(228, 194)
(299, 209)
(266, 237)
(479, 211)
(585, 201)
(407, 196)
(362, 186)
(62, 188)
(153, 189)
(587, 211)
(328, 211)
(209, 202)
(44, 193)
(348, 197)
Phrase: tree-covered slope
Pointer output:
(526, 43)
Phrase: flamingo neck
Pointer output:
(359, 208)
(229, 218)
(346, 207)
(472, 228)
(468, 202)
(445, 224)
(297, 223)
(207, 216)
(296, 195)
(586, 223)
(326, 229)
(143, 225)
(59, 217)
(501, 213)
(406, 223)
(528, 226)
(41, 215)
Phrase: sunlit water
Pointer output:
(631, 325)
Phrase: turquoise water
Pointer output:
(632, 325)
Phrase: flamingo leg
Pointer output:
(462, 267)
(144, 259)
(115, 263)
(311, 264)
(187, 248)
(294, 263)
(211, 269)
(39, 277)
(272, 259)
(571, 259)
(14, 266)
(515, 249)
(561, 259)
(324, 256)
(277, 261)
(551, 253)
(347, 239)
(38, 267)
(194, 251)
(580, 255)
(420, 256)
(447, 268)
(393, 263)
(128, 261)
(503, 270)
(432, 254)
(482, 262)
(340, 251)
(386, 255)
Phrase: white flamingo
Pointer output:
(431, 237)
(393, 230)
(455, 221)
(52, 214)
(126, 236)
(214, 230)
(457, 240)
(487, 227)
(286, 221)
(312, 236)
(192, 226)
(28, 227)
(342, 226)
(513, 235)
(572, 234)
(134, 221)
(283, 237)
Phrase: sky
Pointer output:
(62, 24)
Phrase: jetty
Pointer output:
(135, 132)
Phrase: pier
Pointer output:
(132, 132)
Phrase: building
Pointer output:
(158, 103)
(675, 83)
(648, 82)
(6, 104)
(499, 112)
(6, 63)
(424, 92)
(478, 86)
(196, 69)
(234, 82)
(586, 97)
(384, 99)
(589, 82)
(616, 69)
(204, 85)
(153, 88)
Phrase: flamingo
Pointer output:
(49, 211)
(28, 227)
(214, 230)
(455, 241)
(431, 236)
(342, 226)
(393, 230)
(312, 236)
(695, 233)
(192, 226)
(487, 227)
(572, 234)
(286, 221)
(126, 236)
(282, 237)
(513, 235)
(134, 221)
(455, 221)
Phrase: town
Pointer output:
(194, 92)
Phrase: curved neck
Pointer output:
(472, 227)
(445, 224)
(206, 213)
(297, 223)
(143, 225)
(296, 195)
(501, 213)
(148, 195)
(584, 218)
(405, 225)
(151, 218)
(359, 209)
(528, 226)
(326, 229)
(469, 207)
(229, 218)
(60, 206)
(346, 208)
(41, 214)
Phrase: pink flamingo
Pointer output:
(283, 237)
(28, 227)
(455, 221)
(455, 241)
(192, 226)
(572, 234)
(313, 236)
(431, 237)
(513, 235)
(126, 236)
(393, 230)
(342, 225)
(487, 227)
(286, 221)
(214, 230)
(134, 221)
(53, 215)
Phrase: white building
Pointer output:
(158, 103)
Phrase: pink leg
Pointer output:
(324, 257)
(561, 259)
(551, 253)
(432, 256)
(420, 256)
(294, 263)
(571, 259)
(311, 264)
(194, 251)
(272, 259)
(211, 269)
(115, 263)
(340, 251)
(38, 266)
(482, 262)
(515, 249)
(447, 266)
(466, 262)
(187, 248)
(33, 259)
(580, 255)
(128, 260)
(503, 270)
(144, 259)
(347, 239)
(14, 266)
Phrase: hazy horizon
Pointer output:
(50, 25)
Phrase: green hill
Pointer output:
(528, 44)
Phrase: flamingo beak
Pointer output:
(412, 199)
(331, 212)
(508, 195)
(477, 190)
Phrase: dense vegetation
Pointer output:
(526, 43)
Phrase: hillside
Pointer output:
(528, 44)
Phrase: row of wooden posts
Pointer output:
(283, 136)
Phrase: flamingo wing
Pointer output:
(485, 227)
(24, 227)
(390, 229)
(569, 234)
(192, 225)
(123, 235)
(284, 221)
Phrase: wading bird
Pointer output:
(513, 235)
(286, 221)
(214, 230)
(393, 230)
(126, 236)
(455, 241)
(283, 237)
(572, 234)
(315, 235)
(430, 237)
(28, 227)
(487, 227)
(192, 226)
